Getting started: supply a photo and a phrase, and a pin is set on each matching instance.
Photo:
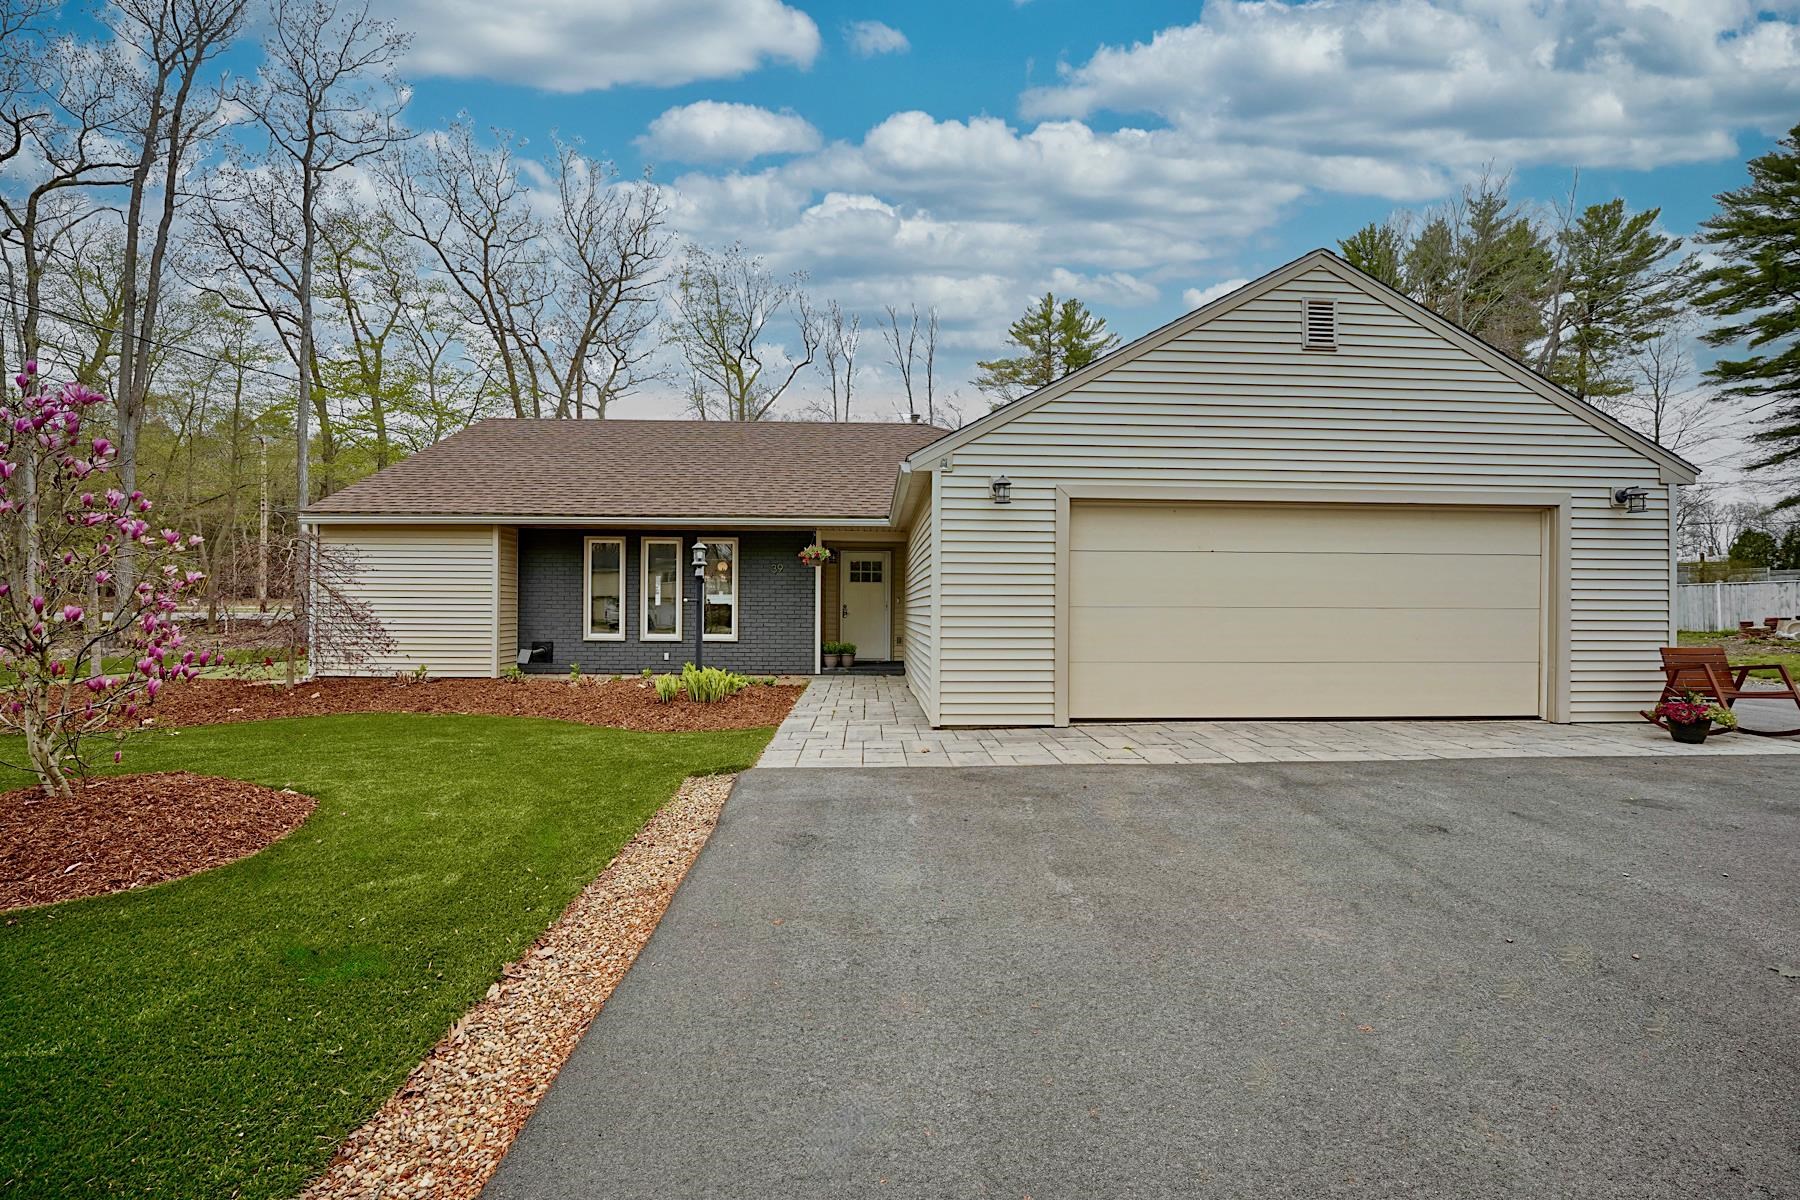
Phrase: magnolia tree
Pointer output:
(63, 533)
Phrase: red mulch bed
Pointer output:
(125, 831)
(621, 704)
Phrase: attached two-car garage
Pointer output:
(1293, 610)
(1311, 498)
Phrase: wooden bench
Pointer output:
(1704, 671)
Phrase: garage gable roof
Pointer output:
(1673, 464)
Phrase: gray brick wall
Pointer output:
(775, 598)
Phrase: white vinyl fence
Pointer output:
(1723, 605)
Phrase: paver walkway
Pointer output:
(873, 721)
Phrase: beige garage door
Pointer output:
(1274, 610)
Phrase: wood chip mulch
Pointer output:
(126, 831)
(443, 1133)
(628, 703)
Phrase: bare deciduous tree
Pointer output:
(563, 286)
(606, 259)
(1665, 406)
(173, 110)
(724, 301)
(68, 104)
(327, 100)
(839, 339)
(910, 357)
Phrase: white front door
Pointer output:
(865, 619)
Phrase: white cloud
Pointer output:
(869, 38)
(1200, 297)
(712, 131)
(589, 45)
(1112, 287)
(1149, 167)
(1453, 83)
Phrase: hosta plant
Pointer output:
(709, 685)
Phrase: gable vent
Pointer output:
(1318, 324)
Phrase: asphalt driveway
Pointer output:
(1500, 977)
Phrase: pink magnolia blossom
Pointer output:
(75, 533)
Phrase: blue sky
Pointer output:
(970, 155)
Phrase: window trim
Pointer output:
(736, 593)
(587, 590)
(644, 634)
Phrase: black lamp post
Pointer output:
(699, 600)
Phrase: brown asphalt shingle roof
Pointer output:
(699, 469)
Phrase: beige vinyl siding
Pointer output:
(921, 581)
(433, 589)
(506, 597)
(1235, 403)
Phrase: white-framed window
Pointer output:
(721, 589)
(659, 597)
(603, 589)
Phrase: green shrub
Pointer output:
(709, 685)
(421, 673)
(574, 672)
(667, 687)
(514, 674)
(648, 672)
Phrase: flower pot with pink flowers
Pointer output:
(1692, 717)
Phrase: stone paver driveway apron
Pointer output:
(850, 721)
(1493, 978)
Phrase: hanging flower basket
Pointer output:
(815, 556)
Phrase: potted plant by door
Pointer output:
(828, 655)
(1691, 718)
(815, 555)
(847, 653)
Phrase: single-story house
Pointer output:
(1309, 498)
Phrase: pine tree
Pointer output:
(1788, 556)
(1756, 547)
(1755, 291)
(1057, 337)
(1377, 250)
(1478, 261)
(1621, 293)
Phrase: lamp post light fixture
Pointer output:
(1001, 488)
(699, 600)
(1631, 499)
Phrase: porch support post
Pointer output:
(818, 610)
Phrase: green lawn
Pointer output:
(1744, 650)
(216, 1036)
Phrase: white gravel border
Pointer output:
(444, 1132)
